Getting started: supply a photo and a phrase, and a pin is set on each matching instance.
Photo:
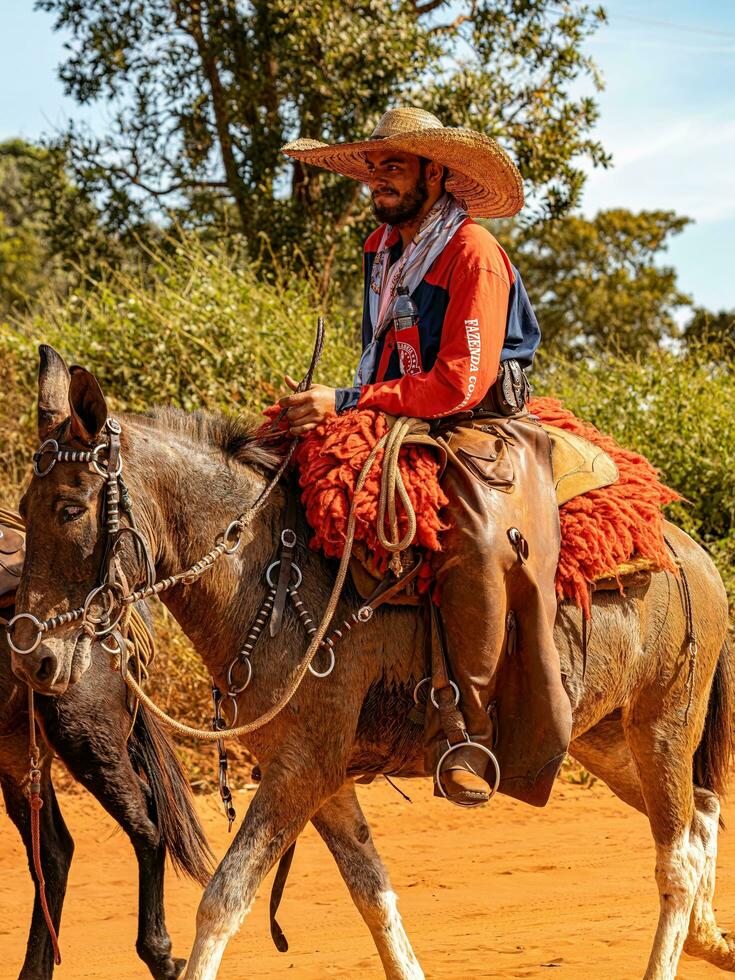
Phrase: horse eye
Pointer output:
(71, 513)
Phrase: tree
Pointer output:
(597, 284)
(706, 326)
(47, 223)
(207, 91)
(25, 259)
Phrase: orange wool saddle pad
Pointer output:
(603, 530)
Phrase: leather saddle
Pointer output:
(12, 555)
(578, 466)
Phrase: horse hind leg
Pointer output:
(705, 939)
(345, 831)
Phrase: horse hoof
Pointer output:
(169, 969)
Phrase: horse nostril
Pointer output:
(45, 669)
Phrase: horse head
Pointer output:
(91, 543)
(64, 509)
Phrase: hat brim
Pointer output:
(481, 174)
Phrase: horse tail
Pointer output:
(182, 833)
(715, 749)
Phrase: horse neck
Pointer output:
(189, 494)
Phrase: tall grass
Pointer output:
(193, 326)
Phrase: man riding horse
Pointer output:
(476, 334)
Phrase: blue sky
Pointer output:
(667, 116)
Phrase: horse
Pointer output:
(651, 711)
(138, 780)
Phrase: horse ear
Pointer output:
(87, 404)
(53, 390)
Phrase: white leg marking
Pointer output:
(705, 938)
(214, 931)
(345, 831)
(679, 870)
(386, 927)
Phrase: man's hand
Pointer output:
(306, 409)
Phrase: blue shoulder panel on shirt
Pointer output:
(522, 333)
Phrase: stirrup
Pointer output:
(445, 756)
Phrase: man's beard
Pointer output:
(406, 208)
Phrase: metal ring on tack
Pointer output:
(233, 703)
(39, 633)
(90, 621)
(40, 452)
(294, 568)
(105, 644)
(234, 691)
(91, 596)
(232, 544)
(94, 463)
(456, 695)
(288, 538)
(445, 756)
(330, 668)
(424, 680)
(365, 613)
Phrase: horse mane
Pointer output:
(238, 437)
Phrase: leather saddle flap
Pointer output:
(11, 542)
(578, 465)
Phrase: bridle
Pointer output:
(106, 608)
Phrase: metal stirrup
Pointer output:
(461, 745)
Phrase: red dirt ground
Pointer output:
(507, 891)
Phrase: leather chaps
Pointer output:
(498, 602)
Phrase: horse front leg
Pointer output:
(344, 829)
(291, 790)
(153, 944)
(114, 782)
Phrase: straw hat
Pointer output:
(481, 174)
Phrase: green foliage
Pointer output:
(48, 225)
(676, 409)
(195, 326)
(707, 326)
(597, 284)
(25, 259)
(206, 94)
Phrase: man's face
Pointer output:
(397, 185)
